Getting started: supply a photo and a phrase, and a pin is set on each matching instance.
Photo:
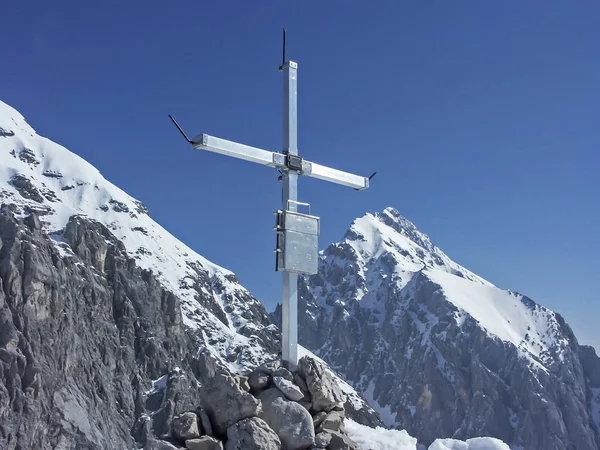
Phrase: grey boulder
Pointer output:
(324, 391)
(283, 373)
(340, 441)
(203, 443)
(222, 397)
(288, 388)
(258, 380)
(252, 433)
(333, 421)
(185, 426)
(157, 444)
(292, 423)
(270, 366)
(323, 439)
(318, 418)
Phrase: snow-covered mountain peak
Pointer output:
(433, 346)
(38, 175)
(383, 256)
(395, 244)
(12, 121)
(392, 218)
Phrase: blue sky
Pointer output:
(481, 119)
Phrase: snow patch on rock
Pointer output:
(379, 438)
(482, 443)
(511, 317)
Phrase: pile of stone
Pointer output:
(270, 408)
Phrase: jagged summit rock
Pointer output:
(252, 433)
(440, 351)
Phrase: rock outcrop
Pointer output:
(203, 443)
(289, 389)
(221, 396)
(292, 423)
(252, 433)
(325, 393)
(241, 421)
(82, 337)
(185, 426)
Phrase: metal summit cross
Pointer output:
(297, 233)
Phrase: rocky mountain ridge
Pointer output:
(438, 350)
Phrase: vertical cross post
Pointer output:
(289, 198)
(297, 234)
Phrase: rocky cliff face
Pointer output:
(82, 336)
(441, 352)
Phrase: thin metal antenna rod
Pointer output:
(283, 50)
(283, 60)
(180, 130)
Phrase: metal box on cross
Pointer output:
(297, 242)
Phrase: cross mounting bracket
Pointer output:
(294, 162)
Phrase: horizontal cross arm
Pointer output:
(230, 148)
(278, 160)
(337, 176)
